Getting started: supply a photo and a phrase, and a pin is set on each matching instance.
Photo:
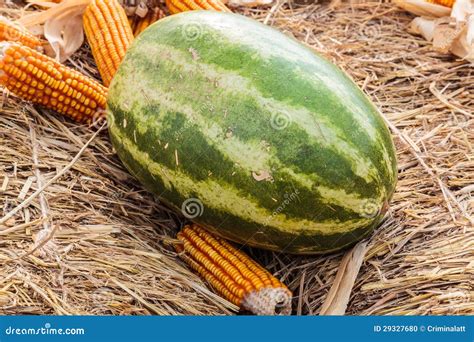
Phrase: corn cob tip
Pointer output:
(232, 273)
(268, 301)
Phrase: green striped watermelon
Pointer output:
(251, 134)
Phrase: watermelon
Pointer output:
(251, 134)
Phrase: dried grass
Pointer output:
(93, 242)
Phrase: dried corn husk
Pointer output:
(448, 30)
(424, 8)
(61, 24)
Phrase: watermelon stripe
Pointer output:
(243, 231)
(255, 159)
(260, 160)
(323, 131)
(203, 120)
(271, 195)
(228, 199)
(245, 55)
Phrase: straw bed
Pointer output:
(94, 242)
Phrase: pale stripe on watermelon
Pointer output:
(226, 198)
(267, 48)
(207, 106)
(249, 155)
(322, 131)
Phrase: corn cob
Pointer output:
(152, 16)
(446, 3)
(12, 32)
(40, 79)
(233, 273)
(177, 6)
(109, 34)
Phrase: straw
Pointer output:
(94, 242)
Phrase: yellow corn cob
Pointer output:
(40, 79)
(233, 273)
(12, 32)
(447, 3)
(177, 6)
(109, 34)
(152, 16)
